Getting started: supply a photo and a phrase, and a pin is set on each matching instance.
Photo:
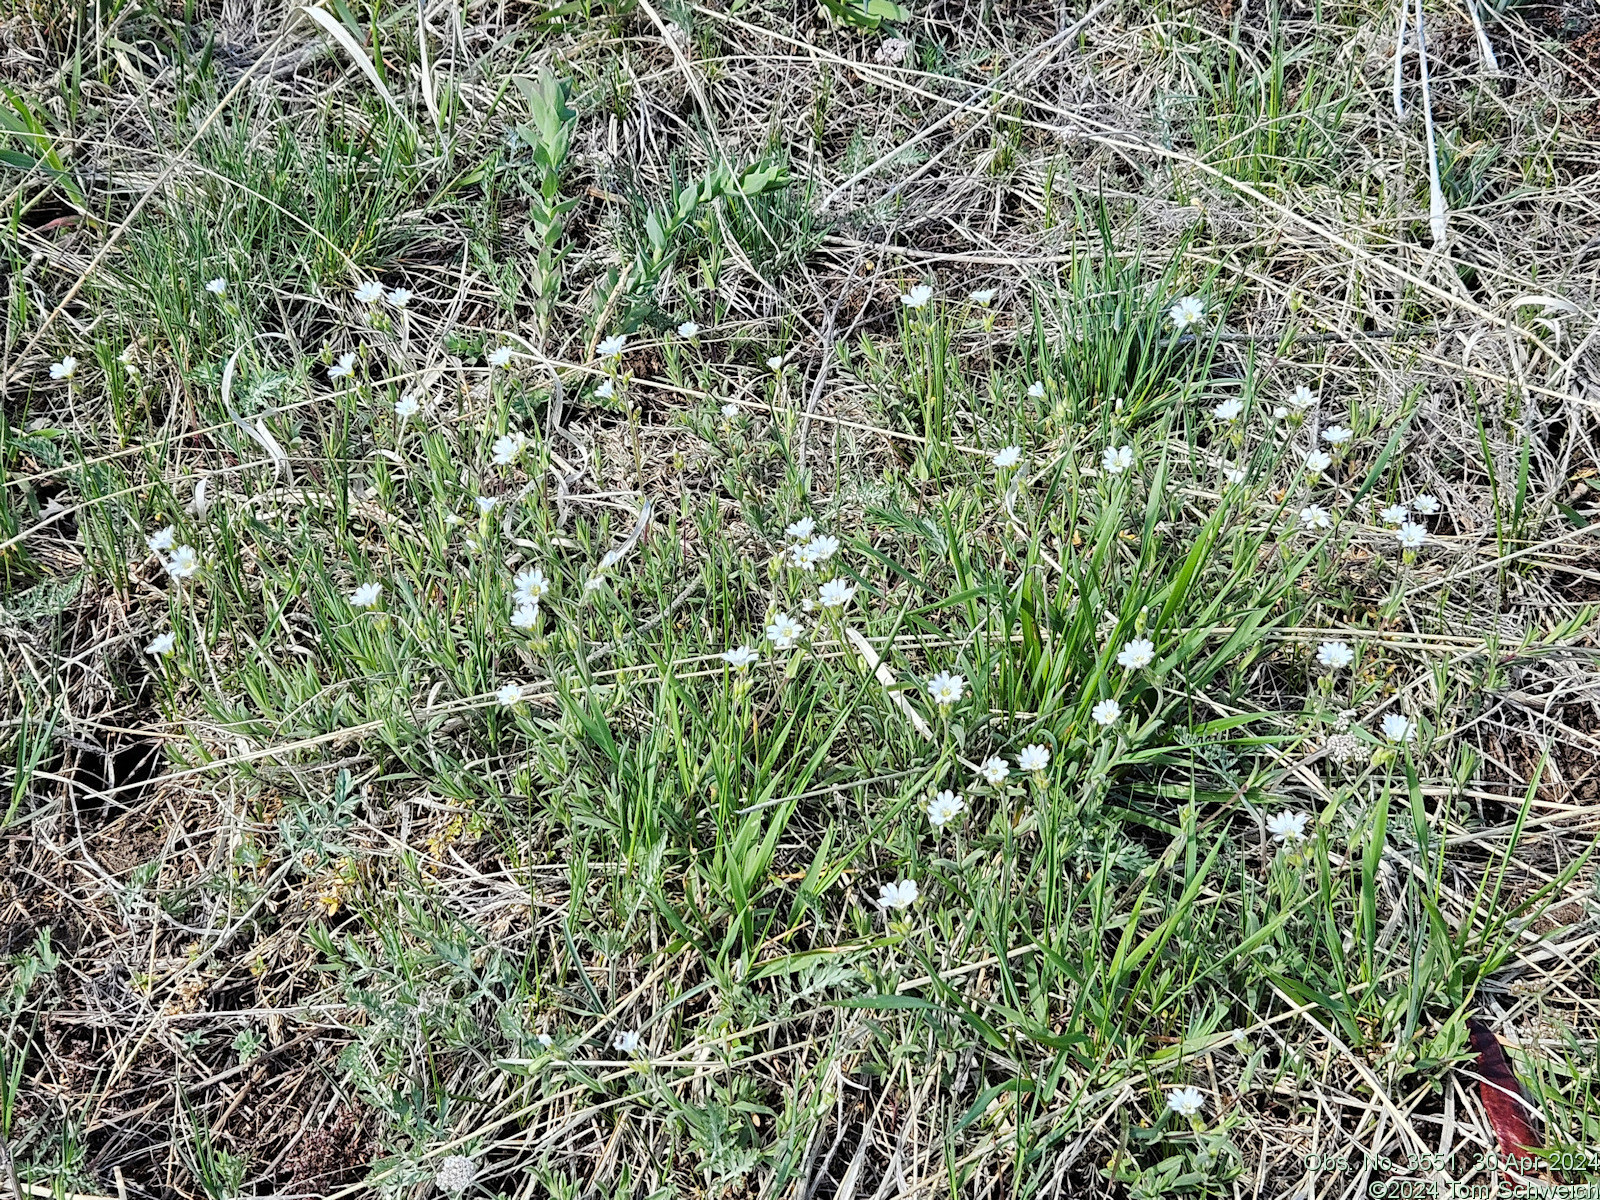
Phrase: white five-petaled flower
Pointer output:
(407, 407)
(1336, 656)
(775, 363)
(1314, 516)
(983, 298)
(1336, 435)
(1287, 826)
(183, 563)
(509, 694)
(946, 688)
(784, 631)
(626, 1041)
(162, 645)
(63, 369)
(1228, 410)
(1186, 1101)
(500, 356)
(836, 593)
(530, 586)
(545, 1040)
(730, 410)
(399, 297)
(1395, 514)
(819, 549)
(901, 895)
(1186, 312)
(1233, 475)
(508, 448)
(1279, 413)
(345, 366)
(688, 330)
(162, 539)
(486, 504)
(1318, 461)
(613, 346)
(1033, 758)
(739, 657)
(803, 528)
(217, 286)
(1425, 504)
(1411, 535)
(456, 1174)
(917, 296)
(1302, 398)
(1116, 459)
(366, 595)
(1106, 712)
(1398, 728)
(945, 807)
(1036, 389)
(1008, 457)
(994, 770)
(1137, 653)
(605, 390)
(369, 292)
(525, 616)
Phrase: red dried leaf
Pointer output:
(1501, 1093)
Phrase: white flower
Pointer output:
(162, 539)
(1106, 712)
(994, 770)
(1314, 516)
(1008, 457)
(1287, 826)
(217, 286)
(613, 346)
(784, 631)
(407, 407)
(730, 410)
(1036, 389)
(836, 593)
(946, 688)
(530, 586)
(594, 583)
(162, 645)
(130, 357)
(1336, 656)
(500, 356)
(399, 297)
(688, 330)
(1395, 514)
(917, 296)
(739, 657)
(1233, 475)
(1398, 728)
(1425, 504)
(1187, 312)
(945, 807)
(900, 895)
(508, 448)
(508, 695)
(606, 390)
(819, 549)
(802, 528)
(1318, 461)
(64, 368)
(486, 504)
(626, 1041)
(1228, 410)
(345, 366)
(775, 363)
(1185, 1101)
(456, 1174)
(183, 563)
(1302, 398)
(369, 292)
(545, 1040)
(1279, 413)
(983, 298)
(1138, 653)
(525, 616)
(1116, 459)
(366, 595)
(1336, 435)
(1033, 758)
(1411, 535)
